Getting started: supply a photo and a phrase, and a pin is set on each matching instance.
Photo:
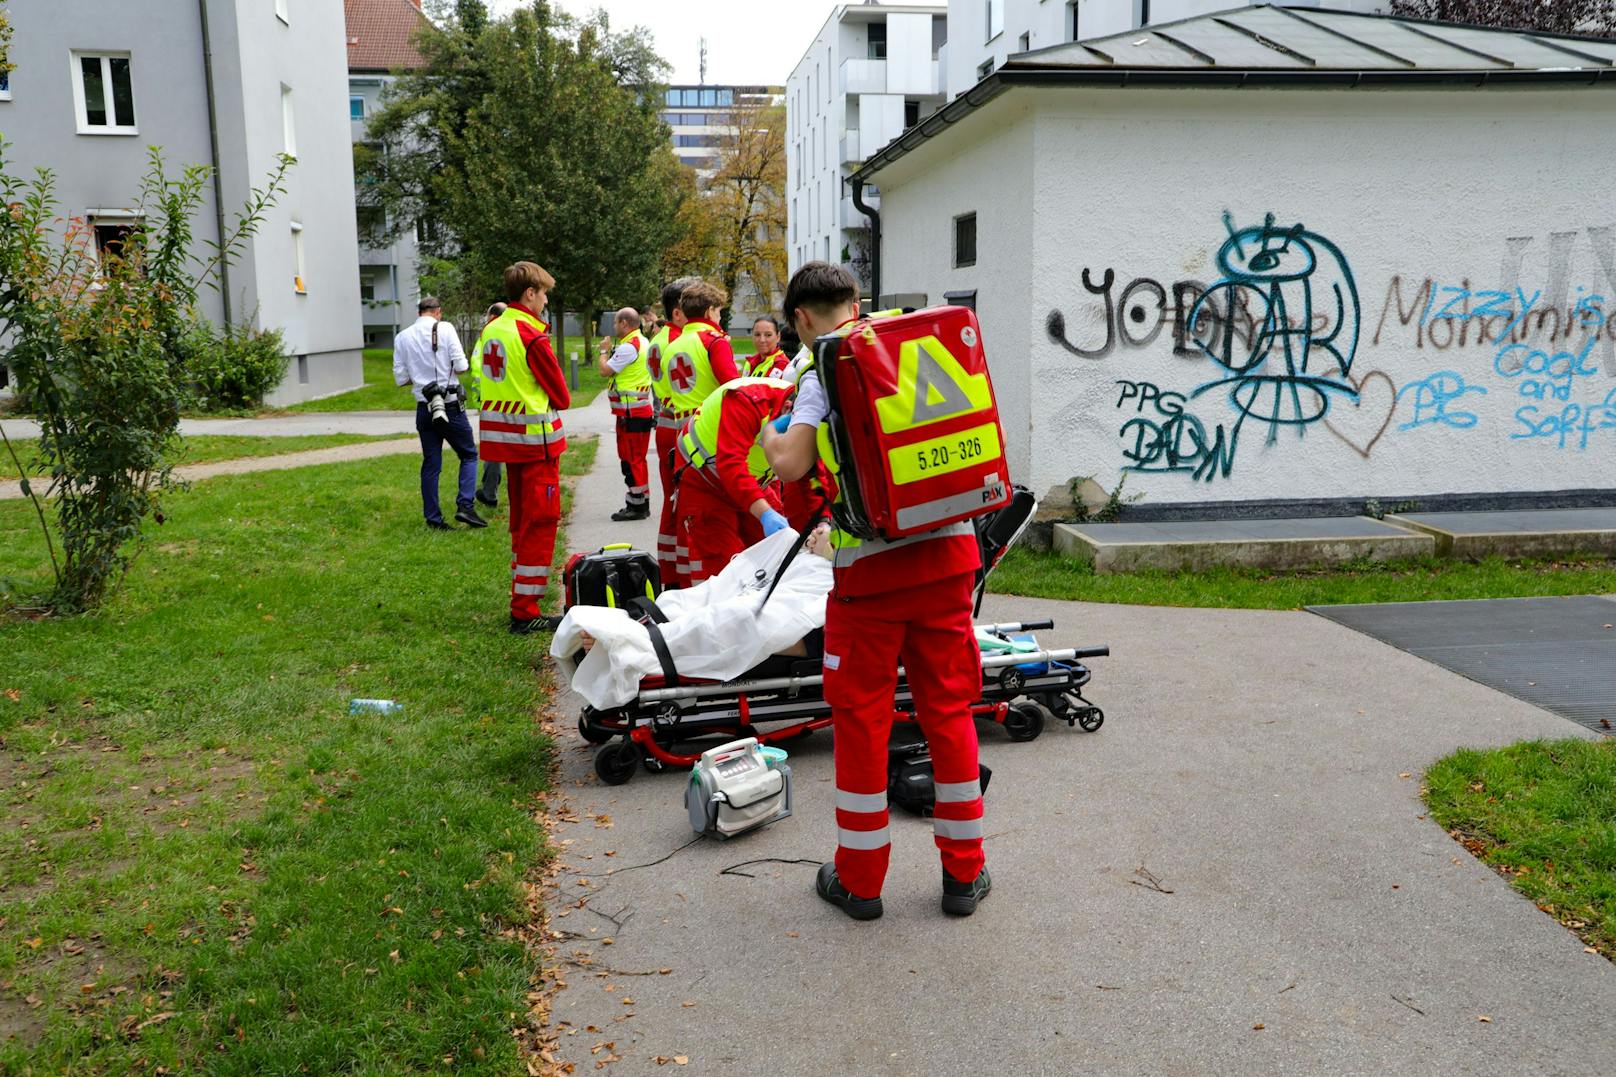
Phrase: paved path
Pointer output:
(374, 423)
(1253, 761)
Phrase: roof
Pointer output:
(1277, 46)
(381, 35)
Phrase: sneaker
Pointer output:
(438, 525)
(632, 512)
(469, 517)
(960, 899)
(491, 502)
(527, 627)
(829, 887)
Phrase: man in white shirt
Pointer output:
(427, 357)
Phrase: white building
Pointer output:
(228, 83)
(983, 34)
(699, 116)
(873, 71)
(1283, 261)
(381, 44)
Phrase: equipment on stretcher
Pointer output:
(738, 787)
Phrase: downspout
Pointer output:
(875, 238)
(213, 149)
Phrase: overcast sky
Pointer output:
(748, 41)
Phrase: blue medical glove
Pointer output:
(772, 521)
(782, 424)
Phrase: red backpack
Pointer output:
(913, 436)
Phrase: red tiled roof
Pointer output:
(380, 33)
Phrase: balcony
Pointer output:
(850, 152)
(864, 76)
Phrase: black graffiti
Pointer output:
(1169, 438)
(1136, 316)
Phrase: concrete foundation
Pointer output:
(1537, 533)
(1275, 544)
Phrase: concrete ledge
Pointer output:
(1273, 544)
(1524, 533)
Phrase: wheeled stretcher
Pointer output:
(671, 721)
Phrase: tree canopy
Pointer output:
(1596, 17)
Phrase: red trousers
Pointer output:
(667, 553)
(929, 631)
(711, 528)
(633, 440)
(534, 490)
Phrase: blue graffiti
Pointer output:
(1434, 397)
(1572, 425)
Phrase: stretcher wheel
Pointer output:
(591, 732)
(1024, 721)
(1090, 718)
(616, 763)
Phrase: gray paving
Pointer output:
(1531, 521)
(1197, 545)
(1520, 533)
(1251, 761)
(376, 423)
(1559, 653)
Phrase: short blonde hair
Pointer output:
(524, 275)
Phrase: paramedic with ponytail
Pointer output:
(523, 391)
(906, 602)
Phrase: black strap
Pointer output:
(647, 609)
(791, 555)
(670, 674)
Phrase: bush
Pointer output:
(231, 369)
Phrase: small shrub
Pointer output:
(231, 369)
(1108, 513)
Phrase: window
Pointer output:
(110, 236)
(709, 97)
(1141, 11)
(1073, 21)
(103, 92)
(5, 91)
(911, 114)
(302, 370)
(288, 127)
(995, 12)
(964, 240)
(877, 41)
(281, 11)
(1026, 41)
(695, 140)
(297, 259)
(367, 290)
(985, 69)
(726, 98)
(356, 108)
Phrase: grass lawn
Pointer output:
(1543, 815)
(1048, 575)
(207, 449)
(207, 862)
(378, 394)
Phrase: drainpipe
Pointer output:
(213, 148)
(875, 238)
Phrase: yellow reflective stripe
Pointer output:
(932, 387)
(945, 454)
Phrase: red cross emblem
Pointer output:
(494, 360)
(653, 359)
(682, 375)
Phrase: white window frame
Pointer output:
(988, 10)
(300, 283)
(364, 109)
(5, 91)
(288, 122)
(81, 115)
(283, 12)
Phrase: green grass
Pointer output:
(378, 394)
(207, 449)
(1543, 815)
(1049, 575)
(207, 862)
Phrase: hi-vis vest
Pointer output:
(688, 372)
(515, 408)
(636, 377)
(698, 445)
(772, 365)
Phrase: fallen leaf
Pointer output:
(395, 957)
(1405, 774)
(1258, 1027)
(664, 972)
(14, 695)
(1484, 1019)
(687, 1005)
(1589, 950)
(681, 1060)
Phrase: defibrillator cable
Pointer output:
(733, 869)
(635, 867)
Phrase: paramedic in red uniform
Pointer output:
(768, 361)
(523, 393)
(724, 505)
(631, 398)
(667, 426)
(905, 603)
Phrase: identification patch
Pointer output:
(833, 661)
(942, 455)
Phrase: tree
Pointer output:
(532, 136)
(747, 196)
(1595, 17)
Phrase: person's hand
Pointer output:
(782, 424)
(819, 542)
(772, 521)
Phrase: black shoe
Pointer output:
(960, 899)
(469, 517)
(491, 502)
(534, 624)
(829, 887)
(632, 512)
(438, 525)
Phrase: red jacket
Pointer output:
(742, 413)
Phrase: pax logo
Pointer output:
(993, 493)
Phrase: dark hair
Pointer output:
(428, 302)
(771, 319)
(671, 292)
(700, 297)
(821, 287)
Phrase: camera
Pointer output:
(438, 398)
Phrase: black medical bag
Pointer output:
(611, 576)
(910, 784)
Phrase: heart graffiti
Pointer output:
(1365, 415)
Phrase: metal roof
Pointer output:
(1278, 46)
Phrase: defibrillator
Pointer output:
(738, 787)
(913, 437)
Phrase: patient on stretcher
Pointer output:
(715, 631)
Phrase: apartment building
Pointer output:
(873, 71)
(228, 83)
(699, 116)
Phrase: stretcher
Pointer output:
(1025, 685)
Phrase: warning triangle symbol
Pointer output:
(937, 396)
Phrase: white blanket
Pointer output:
(716, 630)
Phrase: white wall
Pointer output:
(1461, 189)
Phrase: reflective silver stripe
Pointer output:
(864, 839)
(527, 588)
(991, 493)
(696, 566)
(505, 437)
(520, 420)
(861, 802)
(958, 792)
(958, 829)
(530, 570)
(846, 555)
